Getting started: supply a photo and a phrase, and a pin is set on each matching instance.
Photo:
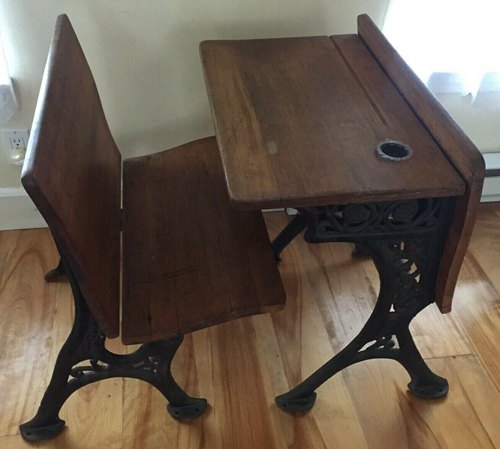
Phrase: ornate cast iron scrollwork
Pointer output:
(333, 223)
(416, 229)
(358, 222)
(405, 240)
(86, 343)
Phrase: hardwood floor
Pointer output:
(240, 366)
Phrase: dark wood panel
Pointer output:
(401, 124)
(190, 260)
(72, 173)
(456, 145)
(298, 123)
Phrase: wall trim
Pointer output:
(17, 211)
(491, 189)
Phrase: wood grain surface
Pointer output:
(240, 366)
(190, 260)
(72, 173)
(298, 120)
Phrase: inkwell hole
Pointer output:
(393, 150)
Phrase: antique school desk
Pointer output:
(340, 128)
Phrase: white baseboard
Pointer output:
(491, 189)
(17, 211)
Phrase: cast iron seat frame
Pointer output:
(86, 342)
(73, 174)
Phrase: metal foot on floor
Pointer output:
(34, 431)
(296, 404)
(192, 409)
(435, 390)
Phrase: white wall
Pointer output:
(144, 56)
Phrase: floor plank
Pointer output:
(391, 417)
(485, 243)
(476, 309)
(27, 310)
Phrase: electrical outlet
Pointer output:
(15, 142)
(15, 138)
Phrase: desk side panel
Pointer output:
(459, 149)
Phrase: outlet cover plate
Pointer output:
(15, 142)
(15, 139)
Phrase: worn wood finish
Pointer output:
(365, 406)
(72, 173)
(298, 120)
(459, 149)
(189, 259)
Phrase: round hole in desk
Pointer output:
(394, 150)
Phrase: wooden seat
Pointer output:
(189, 259)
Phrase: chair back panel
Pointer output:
(72, 173)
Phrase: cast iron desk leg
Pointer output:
(405, 240)
(289, 232)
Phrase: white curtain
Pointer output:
(8, 103)
(459, 37)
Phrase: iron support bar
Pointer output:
(289, 232)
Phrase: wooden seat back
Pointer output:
(72, 173)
